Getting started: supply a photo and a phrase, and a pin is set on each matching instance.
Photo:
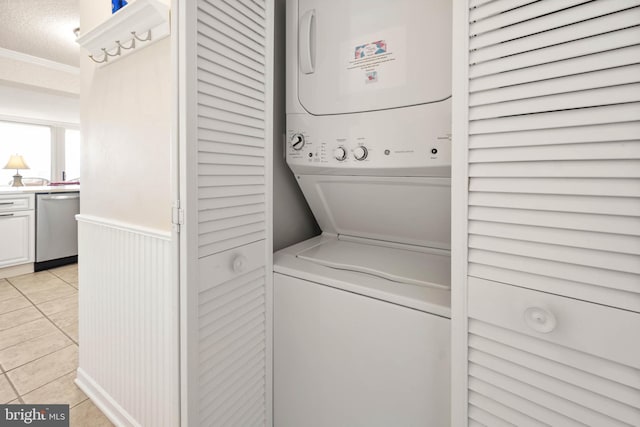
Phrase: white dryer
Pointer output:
(361, 313)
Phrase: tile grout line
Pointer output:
(6, 373)
(13, 387)
(77, 289)
(54, 299)
(14, 309)
(33, 339)
(74, 342)
(47, 317)
(55, 379)
(59, 277)
(24, 324)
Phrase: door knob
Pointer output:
(239, 263)
(540, 320)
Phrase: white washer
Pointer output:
(361, 313)
(356, 349)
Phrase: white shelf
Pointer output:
(142, 17)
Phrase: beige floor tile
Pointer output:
(34, 282)
(19, 317)
(25, 352)
(25, 332)
(62, 390)
(65, 318)
(55, 291)
(42, 286)
(71, 330)
(87, 414)
(35, 374)
(68, 273)
(7, 394)
(7, 290)
(15, 402)
(13, 304)
(61, 304)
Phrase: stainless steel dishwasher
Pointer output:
(56, 229)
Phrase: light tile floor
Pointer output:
(39, 343)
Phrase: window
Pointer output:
(72, 154)
(32, 142)
(47, 150)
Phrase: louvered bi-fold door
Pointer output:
(225, 71)
(552, 129)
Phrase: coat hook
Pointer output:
(140, 39)
(105, 57)
(132, 45)
(117, 52)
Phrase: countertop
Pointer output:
(38, 189)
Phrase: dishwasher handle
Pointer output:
(59, 197)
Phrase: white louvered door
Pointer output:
(225, 68)
(548, 122)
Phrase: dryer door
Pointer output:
(365, 55)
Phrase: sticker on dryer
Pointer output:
(374, 61)
(370, 49)
(370, 56)
(372, 76)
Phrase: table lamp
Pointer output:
(16, 162)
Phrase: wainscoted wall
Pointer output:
(128, 322)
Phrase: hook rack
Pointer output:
(135, 26)
(119, 47)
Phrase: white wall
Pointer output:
(125, 122)
(129, 302)
(292, 218)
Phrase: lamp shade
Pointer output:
(16, 162)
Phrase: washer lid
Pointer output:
(428, 299)
(410, 210)
(366, 55)
(415, 267)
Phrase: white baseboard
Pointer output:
(103, 401)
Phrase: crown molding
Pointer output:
(19, 56)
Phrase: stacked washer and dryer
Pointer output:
(361, 312)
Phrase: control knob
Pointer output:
(340, 153)
(360, 153)
(297, 141)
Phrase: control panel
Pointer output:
(412, 141)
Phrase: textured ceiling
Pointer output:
(42, 28)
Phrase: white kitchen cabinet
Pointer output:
(17, 229)
(546, 227)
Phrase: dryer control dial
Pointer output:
(297, 141)
(340, 153)
(360, 153)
